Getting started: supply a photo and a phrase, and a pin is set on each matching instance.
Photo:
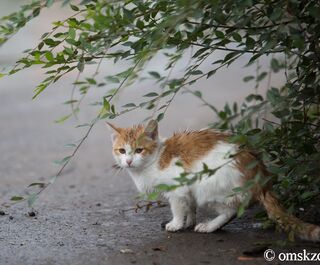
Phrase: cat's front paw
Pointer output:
(174, 226)
(204, 228)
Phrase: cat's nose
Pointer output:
(129, 161)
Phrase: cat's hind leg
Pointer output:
(224, 217)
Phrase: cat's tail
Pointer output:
(287, 221)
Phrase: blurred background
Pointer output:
(28, 127)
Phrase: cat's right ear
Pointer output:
(115, 131)
(151, 130)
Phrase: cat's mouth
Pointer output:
(117, 166)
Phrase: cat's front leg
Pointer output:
(179, 209)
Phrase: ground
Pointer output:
(80, 218)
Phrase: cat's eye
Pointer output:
(122, 151)
(138, 150)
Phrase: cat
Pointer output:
(151, 161)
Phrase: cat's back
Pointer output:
(190, 146)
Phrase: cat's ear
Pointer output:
(115, 131)
(151, 130)
(115, 128)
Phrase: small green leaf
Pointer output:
(74, 8)
(44, 35)
(71, 145)
(63, 119)
(40, 45)
(129, 105)
(306, 195)
(160, 117)
(16, 198)
(275, 65)
(198, 94)
(106, 104)
(39, 89)
(49, 3)
(50, 42)
(72, 33)
(219, 34)
(155, 74)
(236, 36)
(210, 73)
(36, 12)
(196, 72)
(72, 101)
(237, 189)
(83, 125)
(62, 161)
(112, 79)
(140, 24)
(165, 187)
(276, 14)
(240, 211)
(153, 195)
(49, 56)
(91, 81)
(40, 184)
(151, 94)
(250, 42)
(248, 78)
(262, 76)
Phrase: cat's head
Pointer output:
(135, 147)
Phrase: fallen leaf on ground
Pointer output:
(126, 251)
(159, 248)
(256, 251)
(245, 258)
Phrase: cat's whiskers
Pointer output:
(117, 168)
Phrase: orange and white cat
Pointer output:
(151, 161)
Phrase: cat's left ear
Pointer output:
(151, 130)
(115, 128)
(115, 131)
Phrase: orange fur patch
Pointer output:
(249, 165)
(189, 147)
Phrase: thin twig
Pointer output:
(60, 171)
(147, 205)
(234, 50)
(50, 33)
(235, 27)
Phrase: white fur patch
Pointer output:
(215, 188)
